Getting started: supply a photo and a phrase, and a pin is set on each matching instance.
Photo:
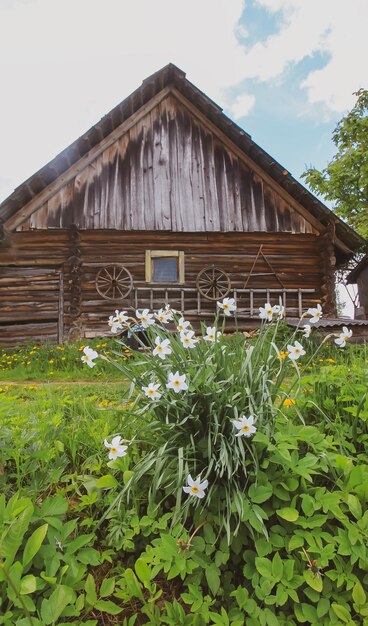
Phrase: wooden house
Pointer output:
(359, 276)
(164, 200)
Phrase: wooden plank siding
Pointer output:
(172, 172)
(297, 259)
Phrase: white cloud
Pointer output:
(335, 28)
(242, 105)
(65, 63)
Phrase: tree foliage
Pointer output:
(345, 179)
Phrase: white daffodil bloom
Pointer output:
(116, 448)
(176, 382)
(162, 348)
(188, 339)
(295, 351)
(279, 310)
(245, 426)
(307, 328)
(195, 487)
(146, 318)
(228, 306)
(183, 326)
(120, 318)
(113, 324)
(211, 333)
(115, 327)
(343, 337)
(316, 314)
(88, 356)
(266, 312)
(163, 316)
(152, 391)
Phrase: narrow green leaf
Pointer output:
(277, 567)
(109, 607)
(213, 578)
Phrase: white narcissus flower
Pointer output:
(266, 312)
(295, 351)
(211, 333)
(195, 487)
(163, 316)
(183, 326)
(228, 306)
(307, 328)
(113, 324)
(316, 314)
(279, 310)
(146, 318)
(176, 382)
(151, 391)
(88, 356)
(245, 426)
(162, 348)
(344, 337)
(188, 339)
(116, 448)
(121, 317)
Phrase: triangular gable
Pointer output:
(46, 183)
(171, 169)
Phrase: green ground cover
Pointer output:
(281, 534)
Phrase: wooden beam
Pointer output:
(44, 195)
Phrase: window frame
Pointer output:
(154, 254)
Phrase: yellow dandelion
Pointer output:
(331, 361)
(289, 402)
(51, 360)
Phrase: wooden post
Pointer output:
(75, 263)
(328, 263)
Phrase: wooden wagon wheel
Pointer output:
(114, 282)
(213, 283)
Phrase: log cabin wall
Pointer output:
(166, 179)
(32, 307)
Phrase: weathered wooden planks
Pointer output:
(169, 171)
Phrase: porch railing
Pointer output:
(191, 302)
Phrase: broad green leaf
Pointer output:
(358, 594)
(52, 607)
(260, 493)
(143, 571)
(341, 612)
(314, 581)
(34, 543)
(12, 539)
(277, 567)
(28, 584)
(58, 505)
(296, 541)
(107, 587)
(354, 506)
(106, 482)
(264, 566)
(323, 607)
(109, 607)
(288, 513)
(213, 578)
(90, 589)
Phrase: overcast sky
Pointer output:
(284, 70)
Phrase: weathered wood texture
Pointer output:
(171, 171)
(29, 281)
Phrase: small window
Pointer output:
(164, 266)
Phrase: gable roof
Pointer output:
(171, 76)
